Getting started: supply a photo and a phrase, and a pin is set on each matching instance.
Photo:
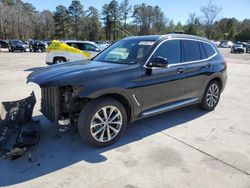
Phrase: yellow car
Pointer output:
(70, 50)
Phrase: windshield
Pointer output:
(125, 51)
(16, 42)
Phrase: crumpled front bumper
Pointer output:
(15, 114)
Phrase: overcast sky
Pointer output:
(176, 10)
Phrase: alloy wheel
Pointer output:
(106, 124)
(212, 95)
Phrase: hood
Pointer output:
(72, 73)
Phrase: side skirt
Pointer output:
(169, 107)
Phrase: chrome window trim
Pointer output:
(183, 63)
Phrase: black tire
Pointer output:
(205, 105)
(58, 60)
(87, 116)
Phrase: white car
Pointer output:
(72, 50)
(226, 44)
(217, 43)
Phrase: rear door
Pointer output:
(75, 56)
(198, 66)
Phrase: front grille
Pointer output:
(50, 103)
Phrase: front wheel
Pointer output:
(211, 96)
(102, 121)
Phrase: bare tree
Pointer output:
(210, 14)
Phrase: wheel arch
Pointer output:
(215, 77)
(59, 57)
(218, 79)
(119, 96)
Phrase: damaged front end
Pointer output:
(61, 105)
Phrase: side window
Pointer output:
(191, 50)
(90, 47)
(75, 45)
(203, 53)
(209, 49)
(170, 50)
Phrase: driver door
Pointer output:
(165, 85)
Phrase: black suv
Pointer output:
(37, 46)
(16, 45)
(134, 78)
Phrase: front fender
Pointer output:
(127, 94)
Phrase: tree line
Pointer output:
(115, 20)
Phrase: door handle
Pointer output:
(180, 71)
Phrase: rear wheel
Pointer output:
(211, 96)
(102, 121)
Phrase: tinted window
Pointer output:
(170, 50)
(209, 49)
(191, 50)
(203, 53)
(75, 45)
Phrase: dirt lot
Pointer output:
(182, 148)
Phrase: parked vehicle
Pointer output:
(4, 44)
(26, 46)
(248, 49)
(103, 44)
(217, 43)
(134, 78)
(37, 46)
(245, 44)
(16, 45)
(226, 44)
(237, 48)
(70, 50)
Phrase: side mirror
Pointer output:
(159, 61)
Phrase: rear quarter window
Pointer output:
(203, 52)
(208, 49)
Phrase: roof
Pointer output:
(144, 37)
(157, 37)
(80, 41)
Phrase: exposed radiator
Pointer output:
(50, 103)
